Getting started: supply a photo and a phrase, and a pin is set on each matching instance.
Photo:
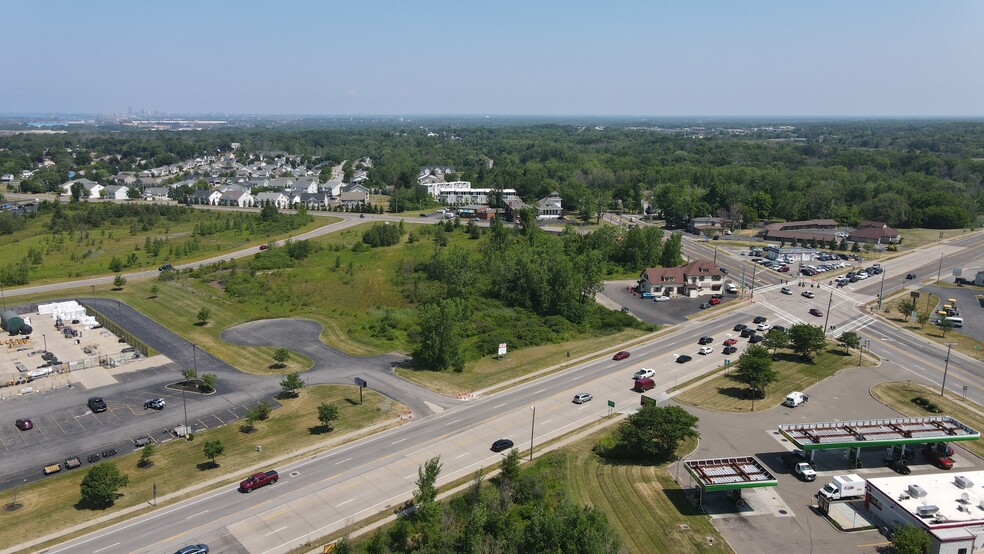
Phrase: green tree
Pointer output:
(189, 374)
(439, 335)
(145, 455)
(115, 265)
(672, 255)
(208, 381)
(509, 470)
(807, 340)
(755, 368)
(154, 289)
(945, 325)
(426, 493)
(203, 315)
(268, 212)
(281, 355)
(327, 413)
(261, 411)
(118, 282)
(849, 340)
(101, 484)
(291, 384)
(212, 450)
(909, 539)
(905, 307)
(249, 423)
(923, 318)
(78, 190)
(655, 432)
(775, 339)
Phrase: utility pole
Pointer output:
(946, 366)
(715, 255)
(532, 427)
(753, 282)
(881, 290)
(940, 270)
(829, 304)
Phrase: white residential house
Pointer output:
(356, 188)
(470, 196)
(306, 185)
(550, 207)
(243, 199)
(92, 188)
(7, 178)
(210, 197)
(116, 192)
(333, 188)
(158, 194)
(354, 199)
(278, 199)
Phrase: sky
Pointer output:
(870, 58)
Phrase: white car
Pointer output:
(644, 373)
(786, 290)
(764, 327)
(661, 299)
(705, 350)
(808, 294)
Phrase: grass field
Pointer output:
(898, 396)
(726, 393)
(915, 238)
(968, 346)
(643, 502)
(49, 504)
(489, 371)
(88, 252)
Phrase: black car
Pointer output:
(740, 327)
(705, 340)
(899, 466)
(194, 549)
(502, 444)
(755, 339)
(910, 276)
(93, 458)
(729, 349)
(746, 332)
(97, 404)
(760, 319)
(683, 359)
(165, 267)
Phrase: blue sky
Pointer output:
(663, 58)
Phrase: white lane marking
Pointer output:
(546, 422)
(399, 441)
(107, 548)
(342, 461)
(346, 502)
(461, 455)
(452, 422)
(275, 531)
(499, 406)
(411, 476)
(196, 515)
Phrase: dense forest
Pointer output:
(907, 173)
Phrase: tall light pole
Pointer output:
(940, 270)
(863, 344)
(829, 304)
(946, 366)
(45, 339)
(2, 299)
(532, 427)
(752, 295)
(881, 290)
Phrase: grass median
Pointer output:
(726, 393)
(964, 344)
(899, 396)
(50, 504)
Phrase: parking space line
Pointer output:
(234, 414)
(218, 418)
(202, 422)
(59, 425)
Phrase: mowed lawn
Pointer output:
(643, 502)
(898, 396)
(727, 393)
(49, 505)
(87, 253)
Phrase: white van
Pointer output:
(794, 399)
(955, 321)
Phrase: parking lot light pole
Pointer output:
(532, 427)
(946, 366)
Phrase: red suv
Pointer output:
(714, 301)
(621, 355)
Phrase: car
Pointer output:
(93, 458)
(141, 442)
(704, 306)
(683, 359)
(786, 290)
(779, 328)
(730, 342)
(154, 404)
(362, 216)
(763, 327)
(724, 270)
(760, 319)
(644, 373)
(502, 444)
(24, 424)
(747, 332)
(807, 294)
(264, 246)
(621, 355)
(937, 458)
(165, 267)
(899, 466)
(582, 397)
(783, 269)
(705, 340)
(96, 404)
(729, 349)
(714, 301)
(816, 312)
(910, 276)
(108, 452)
(705, 350)
(193, 549)
(661, 299)
(755, 339)
(739, 327)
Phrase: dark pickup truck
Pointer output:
(258, 480)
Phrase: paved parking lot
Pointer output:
(970, 309)
(674, 311)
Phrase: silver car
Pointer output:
(582, 397)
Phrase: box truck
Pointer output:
(842, 487)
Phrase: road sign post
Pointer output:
(361, 383)
(611, 406)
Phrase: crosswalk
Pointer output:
(839, 298)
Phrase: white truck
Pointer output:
(805, 472)
(842, 487)
(794, 399)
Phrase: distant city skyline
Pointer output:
(758, 58)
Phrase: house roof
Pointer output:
(270, 196)
(111, 189)
(803, 234)
(202, 193)
(354, 195)
(874, 233)
(814, 222)
(866, 223)
(550, 202)
(680, 275)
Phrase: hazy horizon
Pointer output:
(764, 59)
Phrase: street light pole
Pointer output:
(861, 349)
(940, 270)
(752, 295)
(93, 287)
(881, 290)
(532, 427)
(829, 304)
(946, 366)
(45, 338)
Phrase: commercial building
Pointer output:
(695, 279)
